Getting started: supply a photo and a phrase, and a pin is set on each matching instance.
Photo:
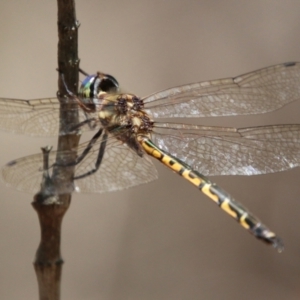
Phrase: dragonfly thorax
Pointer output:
(122, 116)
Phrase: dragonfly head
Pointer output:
(100, 82)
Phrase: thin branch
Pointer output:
(49, 206)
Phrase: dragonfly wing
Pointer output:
(32, 117)
(37, 117)
(121, 168)
(231, 151)
(256, 92)
(25, 174)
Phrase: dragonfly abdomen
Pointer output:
(215, 193)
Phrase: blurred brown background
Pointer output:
(163, 240)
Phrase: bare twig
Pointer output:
(48, 261)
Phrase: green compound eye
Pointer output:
(86, 87)
(93, 84)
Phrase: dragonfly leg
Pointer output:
(73, 96)
(99, 159)
(79, 125)
(85, 151)
(215, 193)
(83, 72)
(91, 126)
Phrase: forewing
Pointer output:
(256, 92)
(38, 117)
(230, 151)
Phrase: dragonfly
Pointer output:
(128, 133)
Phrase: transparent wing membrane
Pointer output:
(38, 117)
(256, 92)
(209, 150)
(121, 168)
(231, 151)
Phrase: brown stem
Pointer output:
(50, 207)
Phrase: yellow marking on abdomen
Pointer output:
(270, 234)
(206, 190)
(195, 181)
(153, 152)
(225, 206)
(175, 166)
(243, 222)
